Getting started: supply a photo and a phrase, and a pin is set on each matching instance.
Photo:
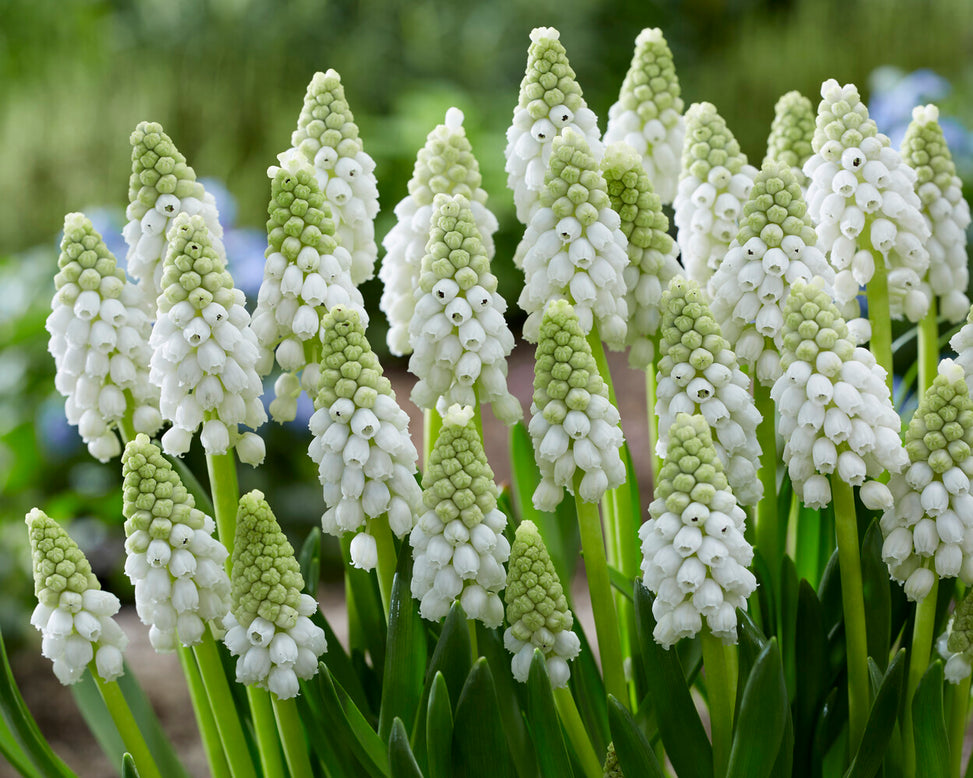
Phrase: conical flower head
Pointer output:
(928, 525)
(205, 352)
(576, 249)
(365, 457)
(651, 252)
(173, 559)
(946, 213)
(574, 426)
(648, 114)
(458, 546)
(862, 201)
(834, 410)
(161, 187)
(269, 626)
(445, 165)
(959, 641)
(306, 274)
(537, 610)
(100, 342)
(698, 373)
(776, 246)
(694, 555)
(327, 137)
(73, 614)
(611, 768)
(962, 344)
(790, 134)
(713, 186)
(550, 102)
(460, 341)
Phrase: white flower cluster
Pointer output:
(173, 559)
(575, 247)
(791, 131)
(962, 344)
(574, 426)
(445, 165)
(648, 114)
(460, 340)
(834, 409)
(100, 342)
(550, 102)
(458, 546)
(775, 247)
(863, 204)
(946, 213)
(928, 522)
(713, 185)
(161, 187)
(694, 555)
(73, 614)
(365, 457)
(204, 350)
(698, 373)
(327, 137)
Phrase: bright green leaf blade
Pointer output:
(588, 690)
(439, 730)
(810, 655)
(750, 643)
(552, 754)
(881, 721)
(310, 561)
(129, 770)
(97, 717)
(929, 725)
(787, 624)
(402, 764)
(634, 753)
(10, 749)
(620, 583)
(875, 586)
(480, 747)
(760, 725)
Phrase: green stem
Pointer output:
(768, 523)
(432, 423)
(928, 347)
(877, 291)
(121, 715)
(567, 711)
(853, 605)
(719, 662)
(651, 388)
(126, 424)
(379, 529)
(922, 637)
(226, 495)
(265, 729)
(958, 711)
(292, 737)
(204, 715)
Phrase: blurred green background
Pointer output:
(226, 78)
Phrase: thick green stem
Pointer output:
(125, 723)
(651, 388)
(958, 711)
(226, 495)
(928, 347)
(768, 523)
(877, 291)
(379, 529)
(265, 729)
(567, 711)
(853, 605)
(719, 663)
(292, 736)
(208, 732)
(922, 637)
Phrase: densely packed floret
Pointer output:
(791, 132)
(959, 641)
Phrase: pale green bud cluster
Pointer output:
(791, 131)
(959, 641)
(611, 768)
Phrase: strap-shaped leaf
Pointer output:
(480, 747)
(552, 754)
(635, 754)
(439, 730)
(588, 690)
(366, 619)
(402, 764)
(881, 721)
(750, 643)
(310, 561)
(810, 655)
(10, 750)
(787, 623)
(875, 585)
(929, 725)
(762, 719)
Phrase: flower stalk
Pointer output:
(719, 662)
(125, 723)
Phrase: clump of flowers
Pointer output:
(791, 132)
(648, 114)
(458, 544)
(99, 340)
(694, 555)
(269, 627)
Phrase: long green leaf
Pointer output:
(787, 623)
(810, 655)
(588, 689)
(929, 724)
(439, 730)
(10, 749)
(310, 561)
(875, 585)
(761, 723)
(480, 747)
(552, 754)
(366, 619)
(344, 719)
(750, 643)
(129, 770)
(402, 763)
(634, 753)
(881, 721)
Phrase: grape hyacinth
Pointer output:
(791, 132)
(776, 246)
(946, 213)
(698, 373)
(648, 114)
(161, 187)
(834, 409)
(959, 641)
(460, 340)
(73, 613)
(862, 201)
(327, 138)
(537, 610)
(305, 275)
(458, 546)
(366, 459)
(962, 344)
(100, 342)
(574, 426)
(694, 555)
(205, 352)
(174, 562)
(651, 251)
(445, 165)
(713, 185)
(575, 246)
(269, 626)
(928, 526)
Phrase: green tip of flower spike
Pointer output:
(776, 208)
(612, 769)
(326, 119)
(154, 497)
(692, 471)
(791, 131)
(458, 481)
(565, 373)
(59, 565)
(193, 269)
(85, 263)
(446, 165)
(299, 215)
(633, 199)
(454, 249)
(573, 183)
(689, 331)
(941, 430)
(158, 168)
(266, 579)
(651, 85)
(960, 639)
(349, 367)
(534, 595)
(924, 149)
(709, 143)
(812, 324)
(842, 117)
(549, 79)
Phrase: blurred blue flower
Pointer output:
(225, 203)
(894, 94)
(56, 438)
(245, 256)
(109, 222)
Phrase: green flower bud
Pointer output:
(790, 134)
